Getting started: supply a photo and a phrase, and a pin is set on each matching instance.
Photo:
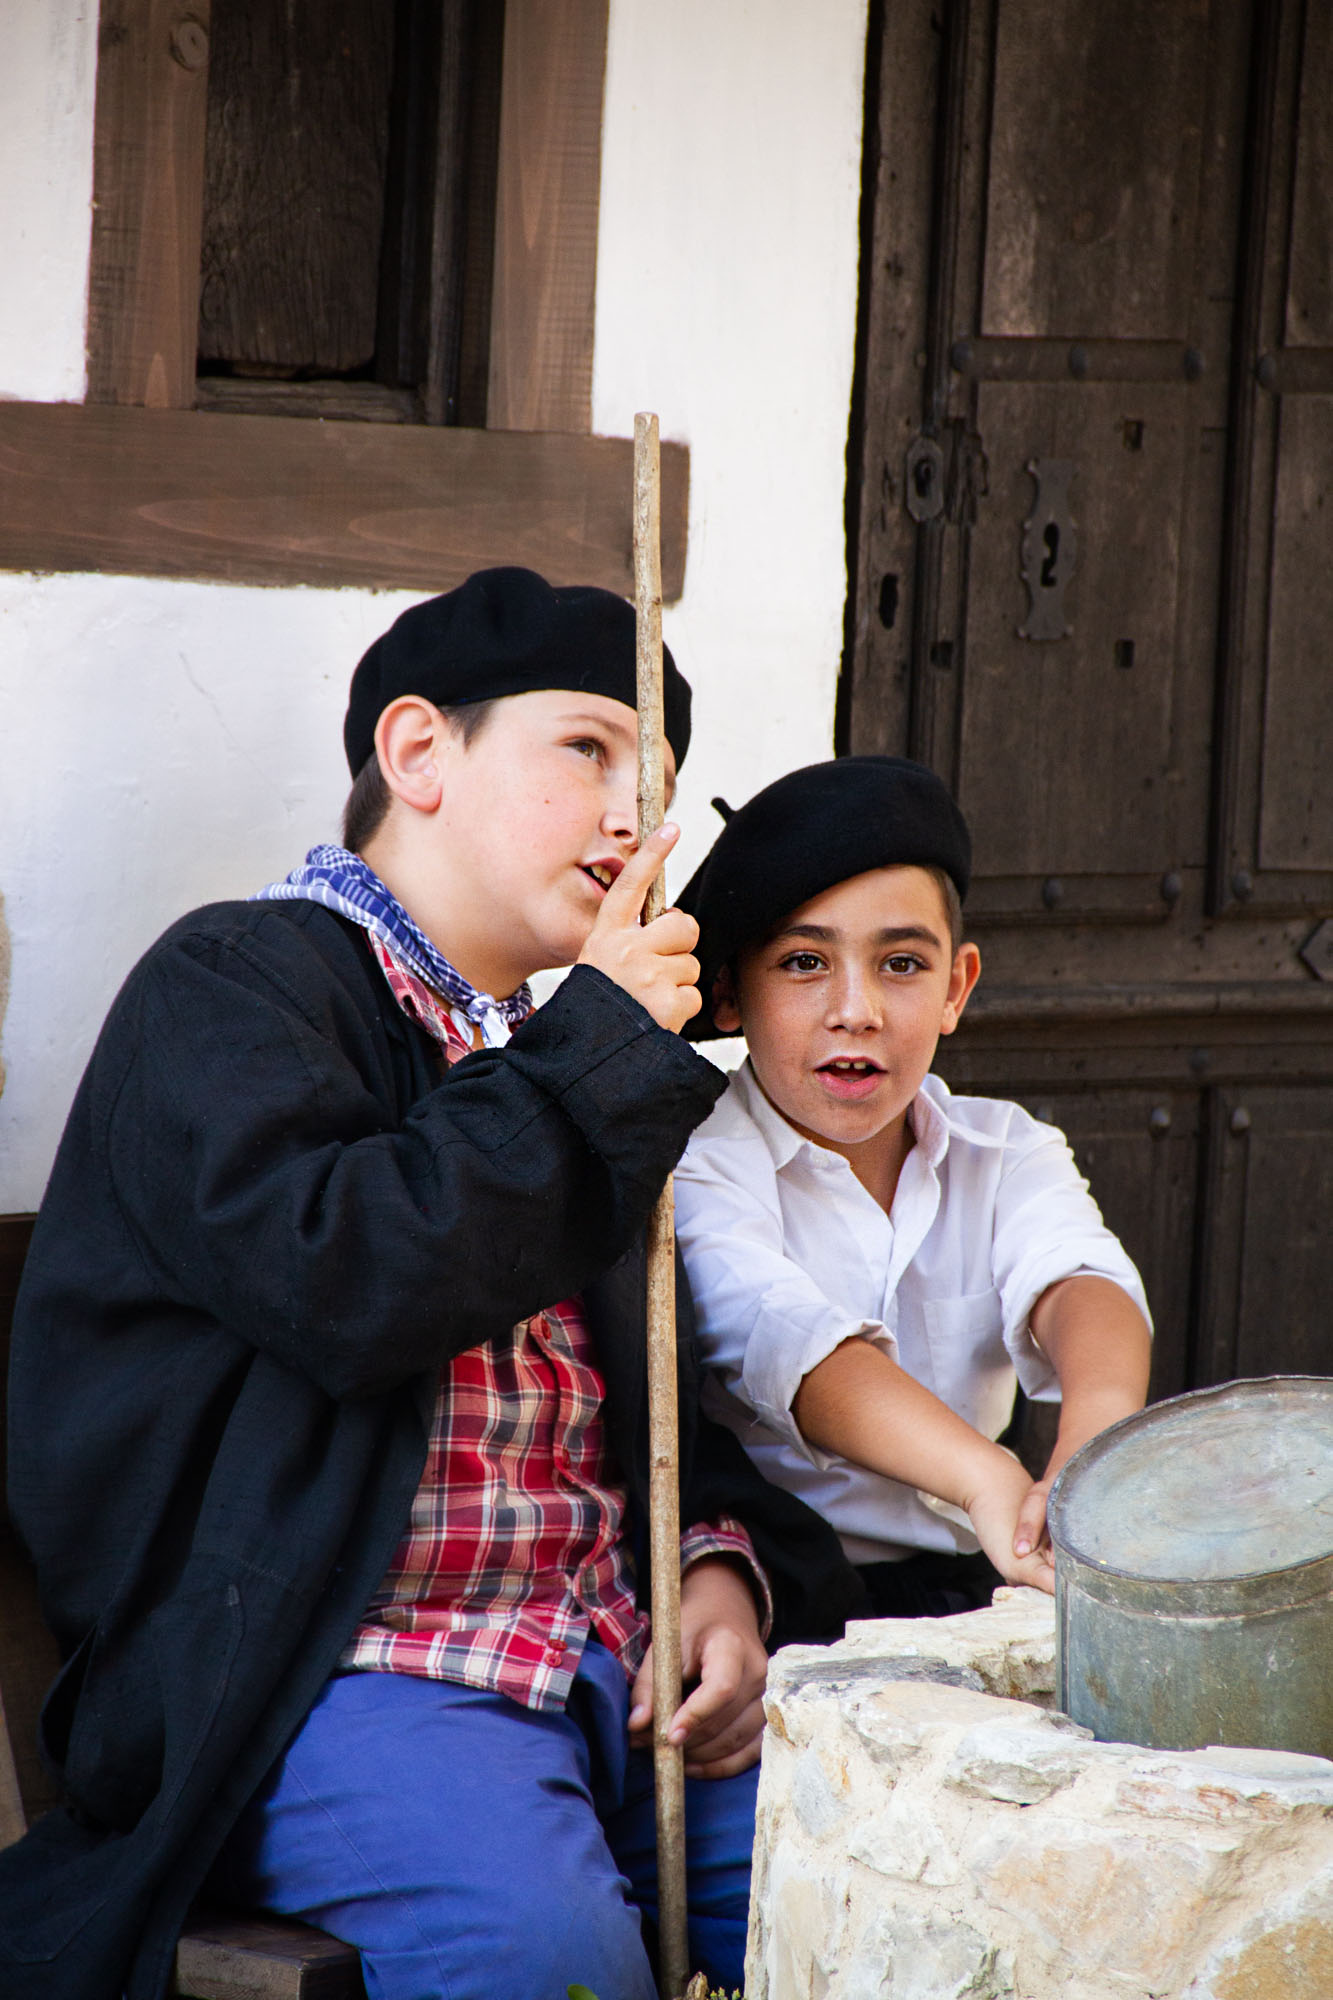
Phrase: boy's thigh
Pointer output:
(451, 1837)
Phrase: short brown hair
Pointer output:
(369, 800)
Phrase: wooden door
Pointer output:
(1093, 587)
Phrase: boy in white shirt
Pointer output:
(875, 1262)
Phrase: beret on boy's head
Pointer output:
(806, 832)
(507, 631)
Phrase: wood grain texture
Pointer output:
(293, 197)
(663, 1415)
(1100, 113)
(546, 215)
(283, 501)
(148, 171)
(264, 1958)
(13, 1821)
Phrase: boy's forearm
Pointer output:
(859, 1403)
(1098, 1342)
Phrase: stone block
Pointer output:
(1020, 1761)
(926, 1835)
(1082, 1900)
(922, 1958)
(1285, 1952)
(907, 1842)
(1222, 1783)
(1012, 1653)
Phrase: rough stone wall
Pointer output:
(930, 1828)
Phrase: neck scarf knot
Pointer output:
(342, 881)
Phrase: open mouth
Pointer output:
(603, 873)
(850, 1077)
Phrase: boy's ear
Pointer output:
(408, 741)
(726, 1012)
(962, 978)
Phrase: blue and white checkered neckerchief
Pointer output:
(341, 881)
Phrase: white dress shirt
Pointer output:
(788, 1256)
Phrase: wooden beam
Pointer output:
(13, 1819)
(148, 177)
(546, 215)
(264, 1958)
(288, 501)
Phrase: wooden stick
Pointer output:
(664, 1444)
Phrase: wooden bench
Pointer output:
(219, 1957)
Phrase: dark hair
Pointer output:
(370, 798)
(953, 904)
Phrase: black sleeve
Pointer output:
(266, 1182)
(815, 1589)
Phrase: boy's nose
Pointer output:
(854, 1004)
(620, 821)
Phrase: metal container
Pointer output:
(1194, 1571)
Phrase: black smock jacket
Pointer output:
(269, 1224)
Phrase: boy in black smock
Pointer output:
(328, 1403)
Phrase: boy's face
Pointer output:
(843, 1008)
(537, 815)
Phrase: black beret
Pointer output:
(507, 631)
(804, 833)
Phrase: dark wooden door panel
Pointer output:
(1268, 1306)
(1081, 756)
(1138, 1151)
(1296, 810)
(1099, 299)
(294, 177)
(1274, 831)
(1309, 316)
(1096, 161)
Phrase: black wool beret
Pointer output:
(806, 832)
(507, 631)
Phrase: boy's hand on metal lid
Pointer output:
(653, 961)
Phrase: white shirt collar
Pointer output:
(930, 1122)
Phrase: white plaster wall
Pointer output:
(48, 72)
(167, 743)
(726, 300)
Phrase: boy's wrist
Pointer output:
(1085, 1417)
(987, 1466)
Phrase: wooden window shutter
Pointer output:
(149, 477)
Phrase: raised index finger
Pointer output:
(625, 898)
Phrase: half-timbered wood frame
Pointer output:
(139, 481)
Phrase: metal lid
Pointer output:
(1228, 1482)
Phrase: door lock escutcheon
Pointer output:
(924, 479)
(1049, 547)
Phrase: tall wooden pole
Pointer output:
(664, 1445)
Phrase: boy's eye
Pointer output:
(587, 746)
(902, 962)
(802, 961)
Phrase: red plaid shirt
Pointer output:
(514, 1552)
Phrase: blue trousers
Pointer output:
(473, 1849)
